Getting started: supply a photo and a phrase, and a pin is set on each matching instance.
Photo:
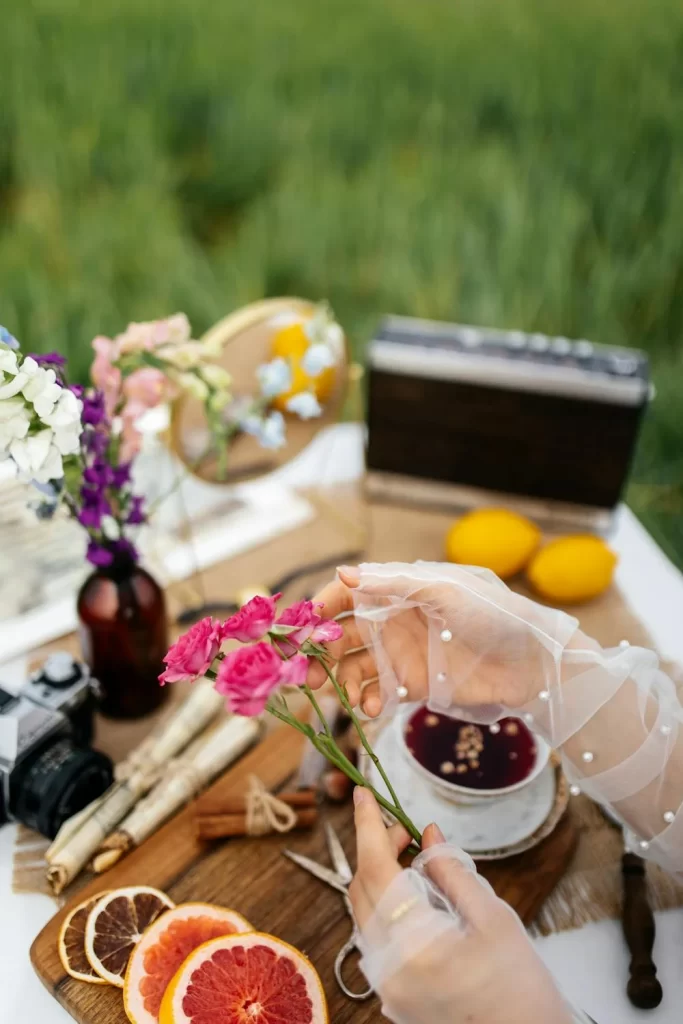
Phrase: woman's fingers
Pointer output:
(377, 846)
(471, 897)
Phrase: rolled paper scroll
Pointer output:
(82, 834)
(206, 758)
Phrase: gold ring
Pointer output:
(402, 909)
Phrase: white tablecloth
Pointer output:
(590, 963)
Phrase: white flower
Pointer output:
(194, 386)
(8, 360)
(216, 376)
(274, 378)
(305, 405)
(316, 359)
(67, 440)
(272, 432)
(52, 468)
(30, 453)
(323, 329)
(66, 412)
(13, 385)
(41, 387)
(14, 421)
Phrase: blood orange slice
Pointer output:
(115, 926)
(71, 943)
(245, 979)
(165, 946)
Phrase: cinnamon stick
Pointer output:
(211, 806)
(221, 826)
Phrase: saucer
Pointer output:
(489, 830)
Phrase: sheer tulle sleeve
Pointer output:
(613, 715)
(414, 948)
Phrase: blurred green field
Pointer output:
(516, 163)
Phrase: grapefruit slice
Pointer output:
(245, 979)
(71, 943)
(164, 947)
(115, 926)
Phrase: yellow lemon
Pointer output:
(494, 538)
(572, 569)
(291, 343)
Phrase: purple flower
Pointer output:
(99, 555)
(77, 389)
(121, 475)
(95, 505)
(125, 549)
(50, 360)
(96, 442)
(93, 409)
(136, 514)
(99, 475)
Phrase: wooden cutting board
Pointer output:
(252, 876)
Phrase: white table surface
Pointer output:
(589, 963)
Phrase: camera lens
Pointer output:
(59, 780)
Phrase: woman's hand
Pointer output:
(501, 651)
(480, 967)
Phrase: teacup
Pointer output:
(467, 763)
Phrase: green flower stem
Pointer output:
(327, 746)
(323, 721)
(361, 732)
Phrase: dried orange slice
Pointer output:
(115, 926)
(253, 977)
(165, 946)
(71, 942)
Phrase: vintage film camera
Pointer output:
(461, 416)
(48, 771)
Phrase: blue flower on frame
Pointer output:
(8, 339)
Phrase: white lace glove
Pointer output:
(437, 944)
(460, 638)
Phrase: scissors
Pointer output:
(339, 879)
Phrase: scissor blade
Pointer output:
(341, 864)
(324, 874)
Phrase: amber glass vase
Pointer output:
(122, 616)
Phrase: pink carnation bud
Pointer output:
(252, 621)
(193, 653)
(248, 676)
(309, 626)
(295, 670)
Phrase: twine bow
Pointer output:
(265, 813)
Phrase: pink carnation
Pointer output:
(252, 621)
(248, 676)
(192, 654)
(310, 626)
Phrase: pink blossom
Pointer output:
(192, 654)
(310, 626)
(146, 388)
(131, 438)
(104, 374)
(252, 621)
(295, 670)
(248, 676)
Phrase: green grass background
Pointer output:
(502, 162)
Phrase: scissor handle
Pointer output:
(348, 948)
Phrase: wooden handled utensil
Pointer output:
(644, 989)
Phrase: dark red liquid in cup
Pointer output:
(471, 755)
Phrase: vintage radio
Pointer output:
(461, 416)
